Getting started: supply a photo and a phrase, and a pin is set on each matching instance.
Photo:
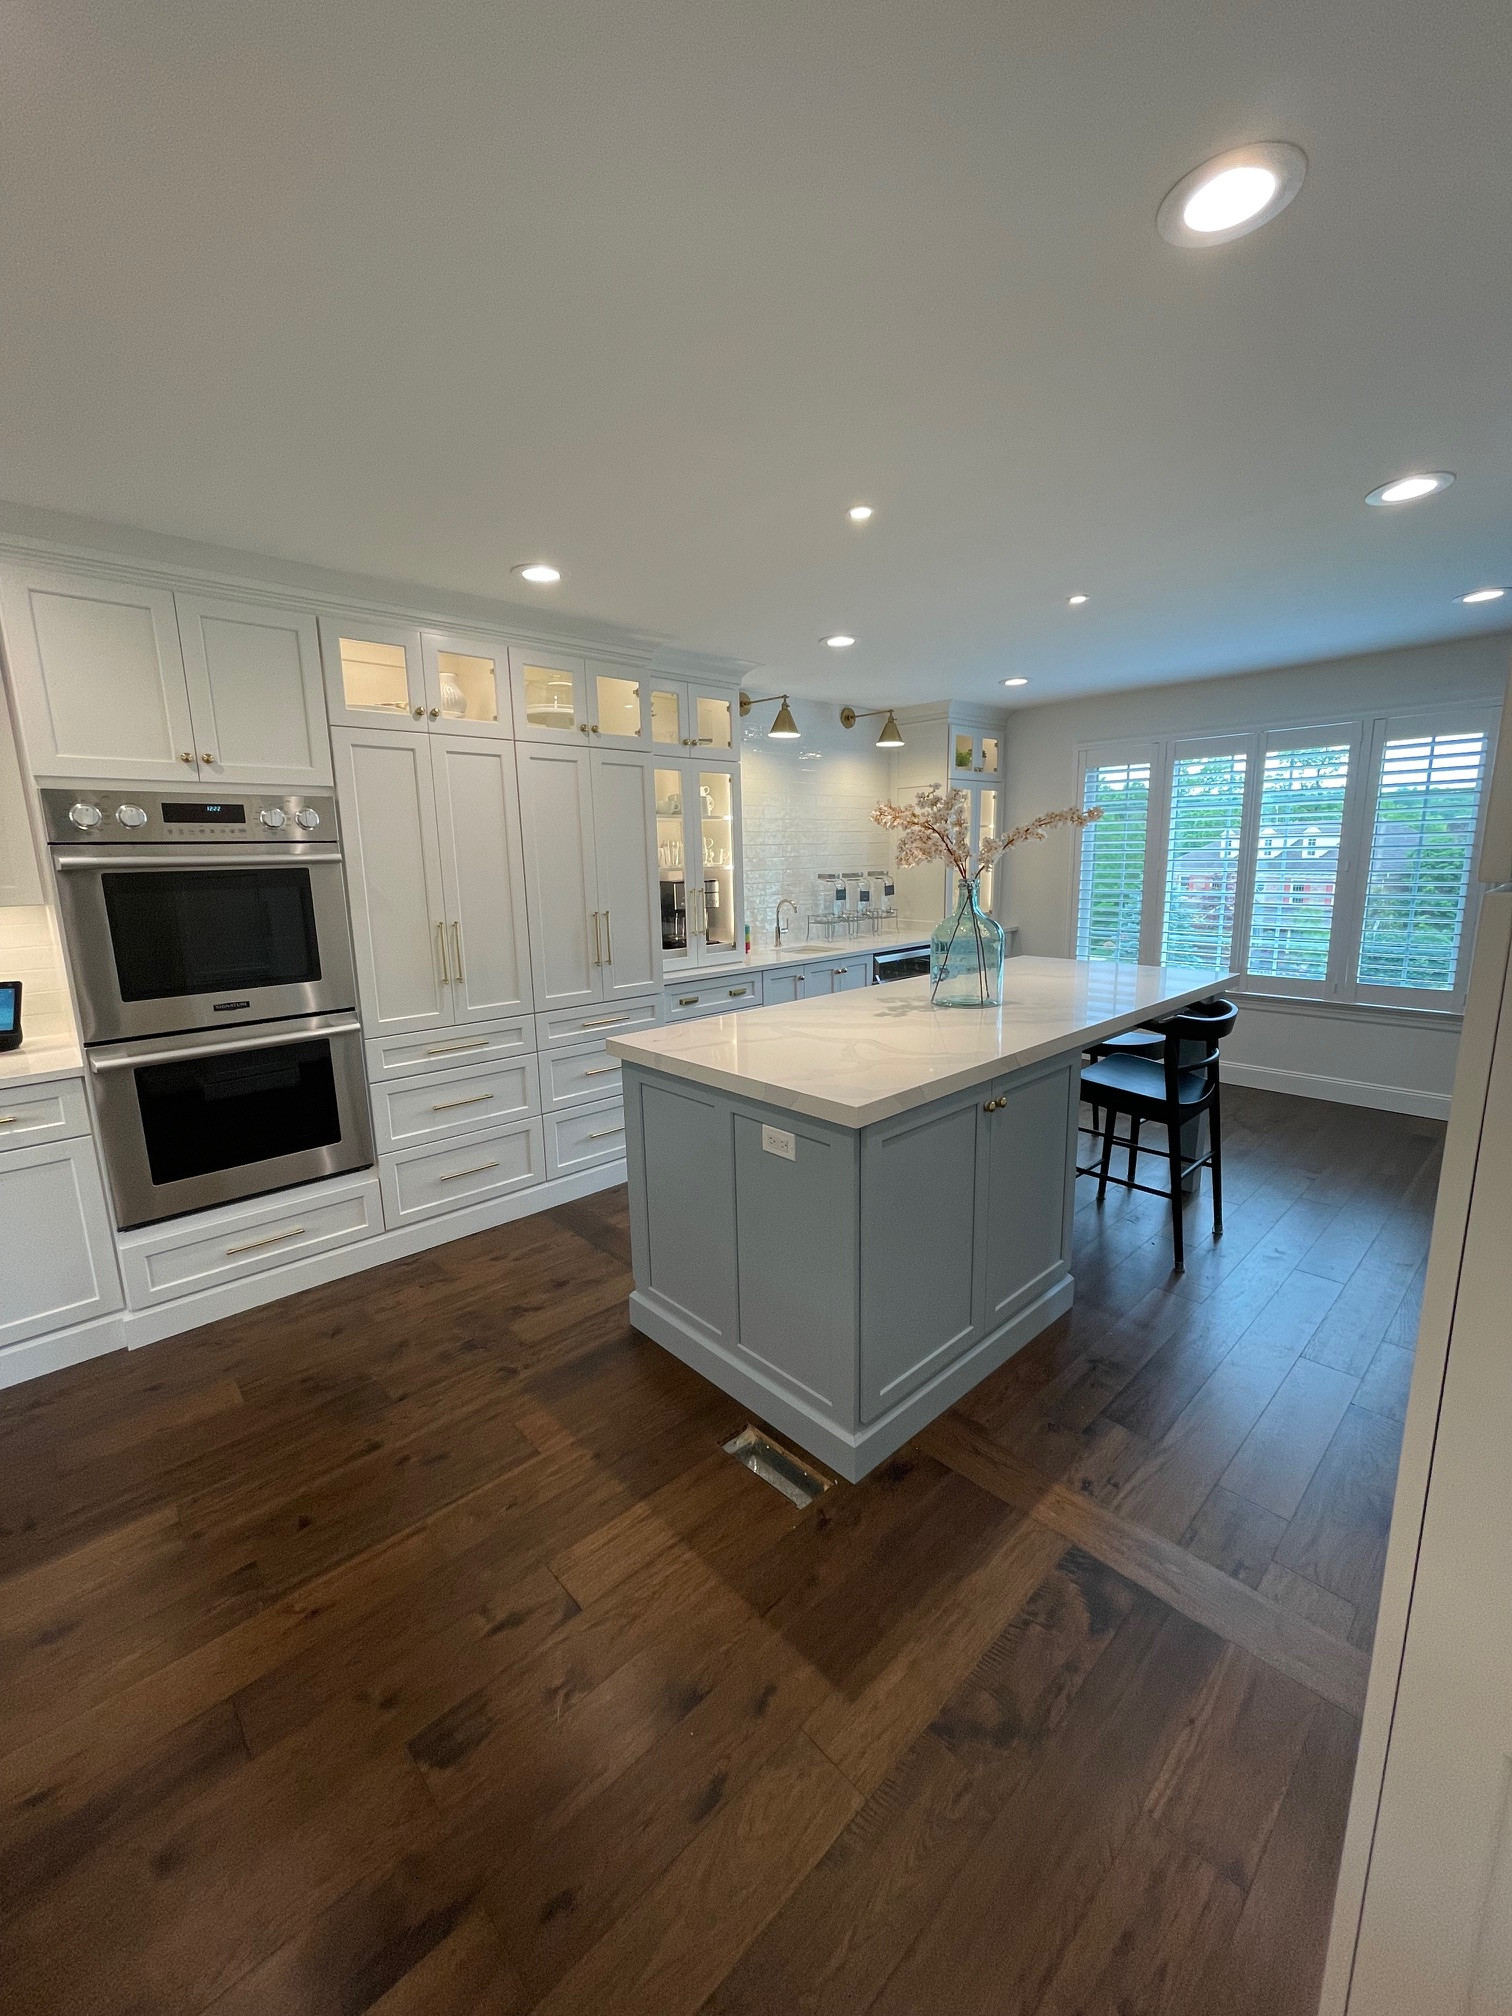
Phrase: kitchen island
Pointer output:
(845, 1212)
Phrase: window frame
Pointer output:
(1367, 736)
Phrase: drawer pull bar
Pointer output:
(603, 1133)
(446, 1049)
(736, 992)
(10, 1119)
(446, 1105)
(601, 1071)
(273, 1239)
(604, 1022)
(476, 1170)
(687, 1000)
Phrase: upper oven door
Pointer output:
(164, 939)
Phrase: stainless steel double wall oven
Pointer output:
(213, 967)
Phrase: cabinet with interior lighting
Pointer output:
(701, 886)
(393, 676)
(562, 697)
(961, 746)
(137, 683)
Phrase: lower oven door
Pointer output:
(190, 1121)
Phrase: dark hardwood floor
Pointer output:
(411, 1646)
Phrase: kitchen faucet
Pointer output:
(791, 906)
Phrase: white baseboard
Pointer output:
(1343, 1091)
(136, 1327)
(57, 1349)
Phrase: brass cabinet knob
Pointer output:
(186, 756)
(434, 713)
(418, 712)
(207, 757)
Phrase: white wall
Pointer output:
(807, 808)
(1365, 1056)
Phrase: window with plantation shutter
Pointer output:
(1111, 891)
(1202, 857)
(1420, 859)
(1297, 861)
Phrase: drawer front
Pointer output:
(30, 1113)
(422, 1182)
(718, 997)
(454, 1102)
(449, 1049)
(215, 1246)
(579, 1139)
(595, 1022)
(574, 1077)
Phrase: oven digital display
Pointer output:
(213, 814)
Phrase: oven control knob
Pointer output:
(272, 816)
(85, 816)
(131, 815)
(307, 817)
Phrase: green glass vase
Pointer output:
(966, 956)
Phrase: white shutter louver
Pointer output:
(1420, 860)
(1110, 898)
(1297, 861)
(1202, 860)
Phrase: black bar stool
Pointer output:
(1146, 1041)
(1174, 1091)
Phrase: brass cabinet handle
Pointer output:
(598, 943)
(593, 730)
(441, 942)
(207, 757)
(186, 756)
(418, 712)
(601, 1071)
(477, 1169)
(605, 1022)
(477, 1099)
(608, 942)
(838, 972)
(434, 713)
(457, 948)
(9, 1119)
(446, 1049)
(603, 1133)
(273, 1239)
(736, 992)
(687, 1000)
(995, 1105)
(582, 727)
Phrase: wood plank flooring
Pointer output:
(410, 1645)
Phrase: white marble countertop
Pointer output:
(40, 1058)
(859, 1057)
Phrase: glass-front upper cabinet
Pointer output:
(672, 864)
(466, 685)
(974, 753)
(558, 695)
(687, 716)
(986, 829)
(373, 672)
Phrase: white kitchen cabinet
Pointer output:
(702, 994)
(255, 693)
(576, 1077)
(583, 1137)
(587, 823)
(60, 1265)
(435, 878)
(423, 1182)
(20, 879)
(466, 685)
(207, 1249)
(483, 876)
(99, 677)
(374, 673)
(686, 714)
(452, 1103)
(701, 885)
(393, 1057)
(785, 983)
(561, 697)
(135, 684)
(386, 795)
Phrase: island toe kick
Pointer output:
(849, 1284)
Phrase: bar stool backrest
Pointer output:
(1205, 1022)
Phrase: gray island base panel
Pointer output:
(849, 1281)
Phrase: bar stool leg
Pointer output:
(1107, 1155)
(1173, 1134)
(1215, 1142)
(1134, 1126)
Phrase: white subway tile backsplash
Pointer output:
(29, 952)
(807, 809)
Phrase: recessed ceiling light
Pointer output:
(1015, 682)
(1075, 601)
(540, 573)
(1407, 489)
(1484, 595)
(1232, 194)
(859, 513)
(839, 642)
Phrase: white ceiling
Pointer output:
(658, 289)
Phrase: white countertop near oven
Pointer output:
(41, 1058)
(860, 1057)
